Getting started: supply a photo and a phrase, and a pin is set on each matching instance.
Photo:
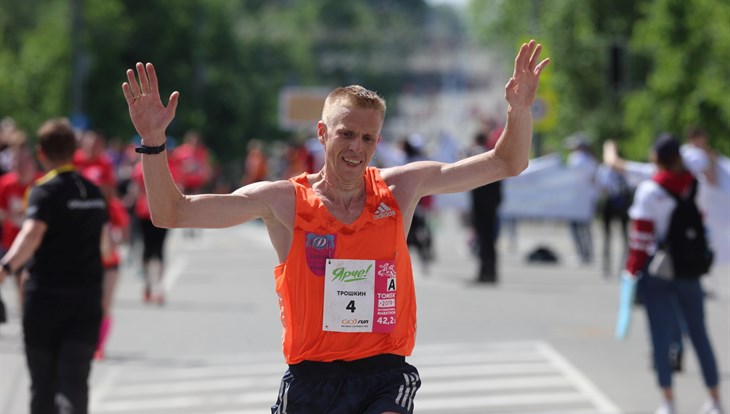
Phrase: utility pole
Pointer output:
(80, 66)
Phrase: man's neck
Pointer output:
(343, 193)
(52, 165)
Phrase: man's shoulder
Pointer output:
(405, 175)
(391, 174)
(65, 183)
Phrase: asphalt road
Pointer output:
(539, 342)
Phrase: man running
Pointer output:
(344, 281)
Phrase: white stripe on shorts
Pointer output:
(413, 391)
(403, 390)
(408, 391)
(283, 397)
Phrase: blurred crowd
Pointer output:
(605, 184)
(113, 165)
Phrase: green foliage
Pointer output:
(672, 68)
(688, 43)
(35, 67)
(227, 58)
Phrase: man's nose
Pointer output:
(356, 143)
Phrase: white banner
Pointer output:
(548, 190)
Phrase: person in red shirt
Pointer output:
(118, 234)
(345, 282)
(153, 238)
(13, 190)
(255, 167)
(193, 161)
(93, 163)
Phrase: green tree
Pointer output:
(624, 69)
(35, 64)
(688, 45)
(228, 58)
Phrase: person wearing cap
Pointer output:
(668, 300)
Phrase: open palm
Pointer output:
(520, 89)
(149, 116)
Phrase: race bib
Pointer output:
(359, 296)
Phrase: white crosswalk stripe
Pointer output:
(487, 378)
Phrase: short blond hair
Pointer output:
(355, 95)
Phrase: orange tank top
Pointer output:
(320, 240)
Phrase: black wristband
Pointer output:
(150, 150)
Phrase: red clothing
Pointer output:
(13, 202)
(99, 170)
(376, 235)
(642, 237)
(141, 207)
(119, 221)
(194, 165)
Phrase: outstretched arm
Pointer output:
(513, 147)
(511, 154)
(151, 118)
(168, 206)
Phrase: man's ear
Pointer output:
(42, 159)
(39, 153)
(321, 131)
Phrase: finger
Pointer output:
(172, 102)
(127, 93)
(152, 75)
(144, 83)
(535, 57)
(521, 58)
(510, 84)
(529, 53)
(172, 106)
(538, 70)
(133, 85)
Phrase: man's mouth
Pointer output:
(352, 162)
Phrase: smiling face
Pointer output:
(350, 135)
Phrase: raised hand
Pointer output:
(149, 116)
(520, 89)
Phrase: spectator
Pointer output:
(668, 299)
(485, 219)
(13, 188)
(60, 241)
(582, 161)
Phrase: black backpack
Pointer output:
(686, 241)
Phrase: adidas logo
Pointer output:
(383, 211)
